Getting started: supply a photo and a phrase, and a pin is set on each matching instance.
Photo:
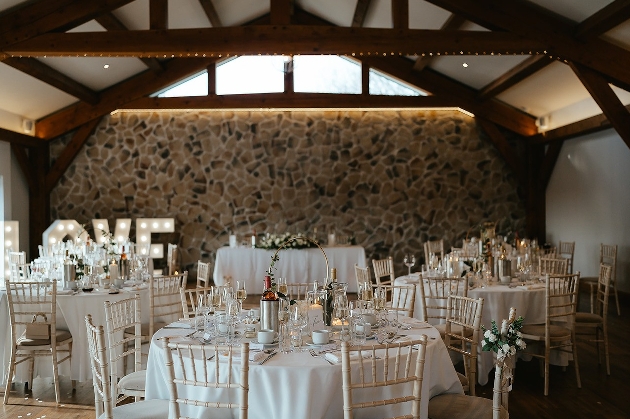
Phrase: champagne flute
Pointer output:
(241, 293)
(409, 260)
(282, 286)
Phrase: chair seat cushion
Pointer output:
(145, 409)
(135, 381)
(455, 328)
(587, 318)
(460, 406)
(62, 338)
(463, 380)
(537, 331)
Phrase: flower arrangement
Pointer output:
(275, 241)
(506, 341)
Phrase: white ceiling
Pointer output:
(554, 92)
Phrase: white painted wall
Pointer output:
(588, 201)
(15, 191)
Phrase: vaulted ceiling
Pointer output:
(559, 65)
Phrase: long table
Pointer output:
(297, 265)
(297, 385)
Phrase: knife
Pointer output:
(271, 355)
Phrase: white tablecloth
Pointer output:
(71, 312)
(297, 265)
(529, 303)
(296, 385)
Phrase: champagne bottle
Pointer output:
(331, 285)
(268, 293)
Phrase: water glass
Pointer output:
(358, 329)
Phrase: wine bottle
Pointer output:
(331, 285)
(268, 293)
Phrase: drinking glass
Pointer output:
(282, 286)
(409, 260)
(241, 293)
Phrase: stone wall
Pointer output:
(393, 179)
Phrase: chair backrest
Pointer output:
(165, 299)
(203, 274)
(398, 365)
(298, 290)
(17, 257)
(552, 266)
(362, 275)
(561, 299)
(20, 271)
(566, 250)
(435, 247)
(193, 297)
(470, 249)
(401, 298)
(603, 290)
(119, 316)
(608, 255)
(172, 257)
(465, 314)
(100, 369)
(384, 268)
(187, 367)
(27, 299)
(434, 294)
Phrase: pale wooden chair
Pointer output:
(558, 332)
(550, 252)
(188, 369)
(552, 266)
(589, 325)
(191, 298)
(103, 400)
(436, 247)
(566, 250)
(297, 290)
(362, 275)
(120, 316)
(26, 301)
(460, 406)
(17, 258)
(172, 259)
(462, 315)
(20, 271)
(406, 370)
(384, 268)
(608, 256)
(203, 274)
(433, 300)
(401, 298)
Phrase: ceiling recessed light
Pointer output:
(106, 66)
(465, 65)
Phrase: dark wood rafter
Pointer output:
(505, 149)
(212, 79)
(144, 84)
(283, 101)
(586, 126)
(286, 39)
(288, 76)
(280, 12)
(454, 22)
(111, 23)
(604, 20)
(532, 22)
(606, 99)
(515, 75)
(535, 203)
(69, 153)
(211, 13)
(365, 79)
(158, 14)
(49, 75)
(20, 139)
(360, 11)
(549, 162)
(22, 158)
(39, 17)
(400, 14)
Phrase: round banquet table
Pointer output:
(297, 385)
(71, 312)
(529, 302)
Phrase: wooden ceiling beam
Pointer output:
(292, 39)
(454, 22)
(43, 16)
(111, 23)
(400, 14)
(606, 99)
(529, 21)
(69, 153)
(292, 101)
(211, 13)
(158, 15)
(49, 75)
(23, 162)
(549, 162)
(505, 149)
(143, 84)
(515, 75)
(19, 139)
(604, 20)
(280, 12)
(360, 11)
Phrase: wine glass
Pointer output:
(241, 293)
(282, 286)
(409, 260)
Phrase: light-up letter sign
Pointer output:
(146, 226)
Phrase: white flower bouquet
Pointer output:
(506, 341)
(275, 241)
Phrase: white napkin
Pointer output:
(254, 356)
(181, 324)
(531, 287)
(135, 287)
(335, 357)
(416, 324)
(65, 292)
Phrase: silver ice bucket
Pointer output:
(269, 315)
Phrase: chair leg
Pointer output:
(592, 297)
(55, 374)
(575, 360)
(31, 371)
(547, 370)
(617, 301)
(9, 377)
(606, 349)
(597, 340)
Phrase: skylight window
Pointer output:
(326, 74)
(384, 84)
